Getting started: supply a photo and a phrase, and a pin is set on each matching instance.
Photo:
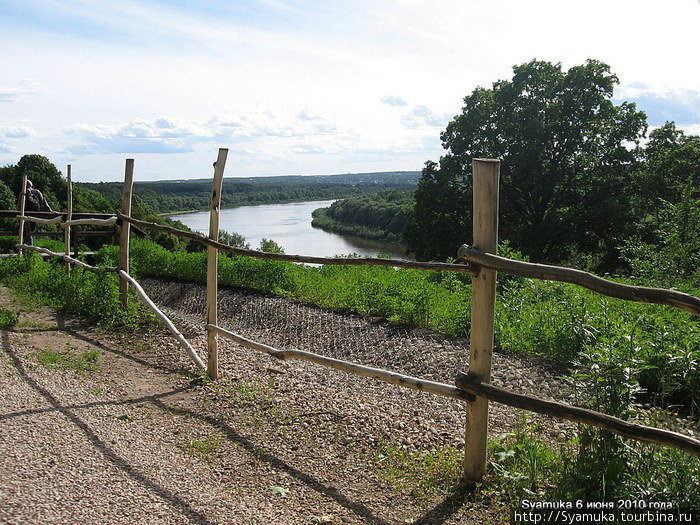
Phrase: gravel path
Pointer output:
(284, 324)
(142, 439)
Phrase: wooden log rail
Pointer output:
(579, 415)
(75, 222)
(680, 300)
(171, 327)
(140, 291)
(12, 214)
(40, 220)
(68, 259)
(386, 376)
(467, 388)
(344, 261)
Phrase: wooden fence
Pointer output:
(480, 261)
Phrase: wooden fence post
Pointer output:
(125, 230)
(69, 213)
(22, 201)
(213, 265)
(485, 232)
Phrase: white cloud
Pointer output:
(288, 131)
(422, 116)
(393, 100)
(23, 89)
(679, 105)
(16, 132)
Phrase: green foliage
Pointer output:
(524, 465)
(233, 239)
(660, 345)
(270, 246)
(672, 170)
(8, 318)
(8, 200)
(422, 473)
(379, 216)
(68, 359)
(594, 465)
(440, 221)
(93, 296)
(565, 172)
(672, 254)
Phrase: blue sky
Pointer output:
(304, 87)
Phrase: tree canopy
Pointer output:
(568, 155)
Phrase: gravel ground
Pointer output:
(142, 439)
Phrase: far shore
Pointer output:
(168, 213)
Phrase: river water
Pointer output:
(289, 225)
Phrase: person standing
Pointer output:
(34, 201)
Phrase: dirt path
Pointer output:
(141, 439)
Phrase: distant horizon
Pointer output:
(244, 177)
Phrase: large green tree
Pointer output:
(672, 165)
(567, 156)
(666, 249)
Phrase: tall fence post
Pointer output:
(213, 266)
(69, 213)
(22, 201)
(125, 231)
(485, 231)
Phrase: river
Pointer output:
(289, 225)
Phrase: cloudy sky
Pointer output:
(304, 86)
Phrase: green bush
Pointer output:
(87, 294)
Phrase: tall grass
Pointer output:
(87, 294)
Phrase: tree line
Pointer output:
(172, 196)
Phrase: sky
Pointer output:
(295, 87)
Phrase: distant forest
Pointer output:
(182, 195)
(379, 216)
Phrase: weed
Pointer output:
(424, 474)
(521, 463)
(68, 359)
(204, 448)
(8, 319)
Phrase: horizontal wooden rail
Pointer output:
(56, 220)
(365, 261)
(386, 376)
(68, 259)
(467, 388)
(94, 222)
(39, 220)
(168, 323)
(12, 214)
(579, 415)
(173, 329)
(680, 300)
